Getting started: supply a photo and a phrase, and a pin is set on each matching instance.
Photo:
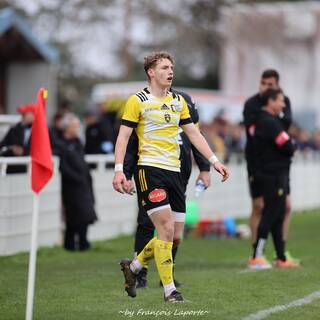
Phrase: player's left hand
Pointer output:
(222, 169)
(205, 177)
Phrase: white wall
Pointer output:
(117, 213)
(16, 212)
(24, 81)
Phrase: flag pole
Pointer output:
(33, 256)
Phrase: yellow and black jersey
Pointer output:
(157, 123)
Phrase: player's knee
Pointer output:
(167, 229)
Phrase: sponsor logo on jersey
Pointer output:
(148, 109)
(157, 195)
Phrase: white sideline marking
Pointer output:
(251, 270)
(248, 270)
(262, 314)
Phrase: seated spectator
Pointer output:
(77, 192)
(16, 142)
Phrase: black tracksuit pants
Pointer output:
(275, 189)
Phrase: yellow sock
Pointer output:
(163, 258)
(147, 253)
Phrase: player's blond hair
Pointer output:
(152, 59)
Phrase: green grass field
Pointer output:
(90, 286)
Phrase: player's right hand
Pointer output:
(130, 188)
(120, 182)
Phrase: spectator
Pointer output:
(56, 134)
(304, 141)
(77, 192)
(109, 127)
(316, 141)
(215, 141)
(96, 141)
(235, 143)
(17, 141)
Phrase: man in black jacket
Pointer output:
(98, 139)
(273, 150)
(145, 228)
(76, 186)
(252, 109)
(16, 142)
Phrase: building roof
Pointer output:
(17, 41)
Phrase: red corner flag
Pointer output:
(41, 154)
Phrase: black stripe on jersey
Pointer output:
(178, 96)
(146, 90)
(185, 121)
(128, 123)
(142, 96)
(174, 95)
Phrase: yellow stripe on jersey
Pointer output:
(157, 128)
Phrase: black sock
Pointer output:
(142, 237)
(279, 246)
(174, 253)
(143, 273)
(280, 251)
(278, 241)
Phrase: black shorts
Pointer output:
(256, 184)
(158, 189)
(274, 186)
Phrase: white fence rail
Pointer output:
(116, 212)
